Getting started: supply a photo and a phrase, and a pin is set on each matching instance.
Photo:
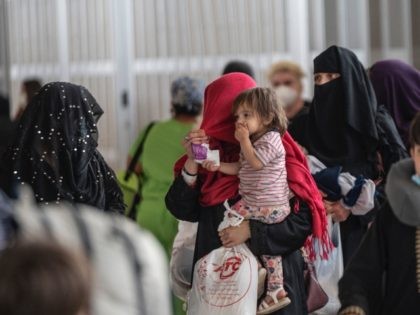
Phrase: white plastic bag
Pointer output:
(330, 271)
(225, 281)
(182, 256)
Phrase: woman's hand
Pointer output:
(196, 137)
(337, 211)
(235, 235)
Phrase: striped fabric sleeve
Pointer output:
(269, 147)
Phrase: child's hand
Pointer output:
(241, 132)
(210, 166)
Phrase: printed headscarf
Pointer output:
(55, 149)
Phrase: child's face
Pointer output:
(415, 155)
(250, 119)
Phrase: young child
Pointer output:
(260, 123)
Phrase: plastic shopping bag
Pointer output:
(330, 271)
(182, 256)
(225, 281)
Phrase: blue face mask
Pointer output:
(416, 178)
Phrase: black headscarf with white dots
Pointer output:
(55, 149)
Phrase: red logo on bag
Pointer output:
(229, 267)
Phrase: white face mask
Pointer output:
(286, 95)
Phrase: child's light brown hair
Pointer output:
(264, 102)
(43, 278)
(414, 133)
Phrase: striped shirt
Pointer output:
(267, 187)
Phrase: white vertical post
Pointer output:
(385, 33)
(363, 12)
(297, 35)
(5, 47)
(319, 24)
(342, 23)
(63, 40)
(124, 81)
(406, 28)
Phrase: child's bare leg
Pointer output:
(276, 295)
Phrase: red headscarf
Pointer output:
(219, 125)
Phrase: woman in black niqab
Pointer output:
(347, 128)
(342, 128)
(55, 149)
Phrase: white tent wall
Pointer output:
(127, 52)
(4, 63)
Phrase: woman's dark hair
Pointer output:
(239, 66)
(264, 102)
(43, 278)
(414, 133)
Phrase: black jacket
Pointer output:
(386, 259)
(285, 238)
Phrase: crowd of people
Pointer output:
(278, 172)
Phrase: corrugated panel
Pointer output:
(76, 40)
(197, 37)
(3, 49)
(35, 38)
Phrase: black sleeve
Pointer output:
(281, 238)
(362, 279)
(391, 147)
(182, 200)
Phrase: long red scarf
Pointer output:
(304, 187)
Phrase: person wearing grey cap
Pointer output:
(161, 149)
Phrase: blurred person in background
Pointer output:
(42, 278)
(160, 151)
(389, 256)
(7, 127)
(239, 66)
(286, 78)
(125, 260)
(55, 150)
(397, 87)
(28, 90)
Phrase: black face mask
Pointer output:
(328, 121)
(341, 128)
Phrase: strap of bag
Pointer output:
(137, 154)
(136, 266)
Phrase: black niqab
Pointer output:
(341, 126)
(55, 149)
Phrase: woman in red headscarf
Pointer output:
(197, 195)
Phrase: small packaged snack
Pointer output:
(202, 153)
